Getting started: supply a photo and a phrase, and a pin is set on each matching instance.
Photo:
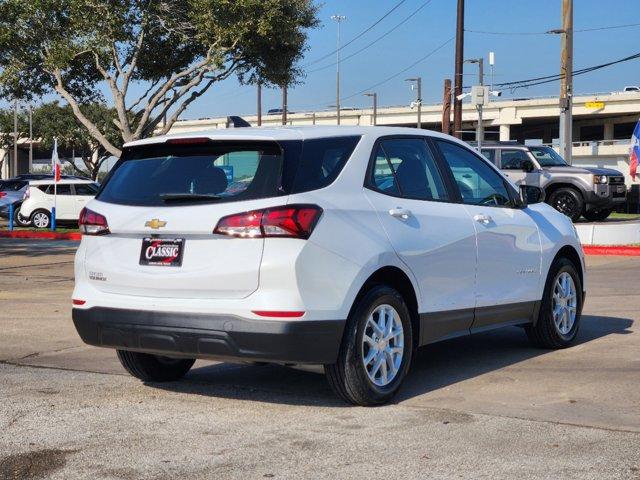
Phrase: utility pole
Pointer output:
(30, 138)
(339, 19)
(457, 104)
(480, 129)
(259, 110)
(566, 82)
(446, 107)
(284, 104)
(374, 96)
(15, 139)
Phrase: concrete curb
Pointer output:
(621, 250)
(40, 235)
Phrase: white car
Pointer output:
(72, 196)
(345, 247)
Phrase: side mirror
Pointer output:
(530, 195)
(528, 166)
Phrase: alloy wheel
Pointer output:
(565, 303)
(383, 345)
(41, 220)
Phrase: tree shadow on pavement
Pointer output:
(435, 366)
(36, 248)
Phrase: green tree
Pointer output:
(7, 132)
(51, 121)
(155, 56)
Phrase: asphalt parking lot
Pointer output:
(487, 406)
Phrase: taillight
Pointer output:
(291, 221)
(27, 193)
(92, 223)
(3, 194)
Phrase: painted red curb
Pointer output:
(622, 250)
(40, 235)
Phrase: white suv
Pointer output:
(346, 247)
(72, 196)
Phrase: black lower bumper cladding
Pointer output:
(210, 336)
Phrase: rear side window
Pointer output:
(513, 159)
(405, 167)
(321, 161)
(490, 155)
(50, 190)
(86, 189)
(224, 171)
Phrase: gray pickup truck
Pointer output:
(590, 192)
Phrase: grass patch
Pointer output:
(624, 216)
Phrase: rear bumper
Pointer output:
(211, 336)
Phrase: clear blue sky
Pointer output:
(517, 56)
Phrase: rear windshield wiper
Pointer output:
(177, 197)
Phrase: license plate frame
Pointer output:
(162, 252)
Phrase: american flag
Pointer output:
(635, 151)
(55, 161)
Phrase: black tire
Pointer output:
(35, 216)
(348, 377)
(597, 215)
(18, 220)
(568, 201)
(545, 333)
(154, 368)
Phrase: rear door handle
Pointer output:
(484, 219)
(401, 213)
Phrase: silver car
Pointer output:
(575, 191)
(12, 193)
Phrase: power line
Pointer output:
(387, 33)
(530, 82)
(388, 79)
(370, 27)
(420, 60)
(611, 27)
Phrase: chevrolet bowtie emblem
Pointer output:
(155, 224)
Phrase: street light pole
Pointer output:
(30, 138)
(15, 138)
(480, 130)
(284, 104)
(418, 83)
(339, 19)
(457, 79)
(259, 112)
(374, 96)
(480, 127)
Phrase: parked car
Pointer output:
(72, 196)
(575, 191)
(277, 111)
(347, 247)
(628, 89)
(11, 193)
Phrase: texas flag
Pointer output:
(55, 161)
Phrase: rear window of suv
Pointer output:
(224, 171)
